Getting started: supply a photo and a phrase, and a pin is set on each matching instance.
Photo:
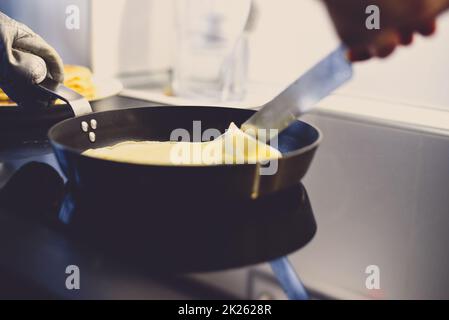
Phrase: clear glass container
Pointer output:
(211, 55)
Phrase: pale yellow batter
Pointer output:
(233, 147)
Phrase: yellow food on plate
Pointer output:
(78, 78)
(3, 96)
(233, 147)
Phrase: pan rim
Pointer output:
(287, 155)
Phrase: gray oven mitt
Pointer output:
(25, 59)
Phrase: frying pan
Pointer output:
(228, 215)
(24, 127)
(297, 141)
(182, 219)
(223, 216)
(298, 144)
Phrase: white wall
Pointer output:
(131, 35)
(47, 18)
(292, 34)
(416, 75)
(137, 35)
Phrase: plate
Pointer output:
(104, 87)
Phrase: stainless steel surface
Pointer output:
(380, 195)
(303, 94)
(77, 102)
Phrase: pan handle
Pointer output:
(79, 105)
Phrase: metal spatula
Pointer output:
(303, 94)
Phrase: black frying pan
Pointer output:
(183, 218)
(175, 219)
(298, 144)
(24, 128)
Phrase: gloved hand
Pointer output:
(25, 59)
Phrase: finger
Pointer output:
(24, 70)
(36, 45)
(385, 44)
(427, 28)
(359, 54)
(406, 38)
(27, 67)
(39, 47)
(385, 51)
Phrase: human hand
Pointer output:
(25, 60)
(399, 20)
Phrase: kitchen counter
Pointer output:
(380, 194)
